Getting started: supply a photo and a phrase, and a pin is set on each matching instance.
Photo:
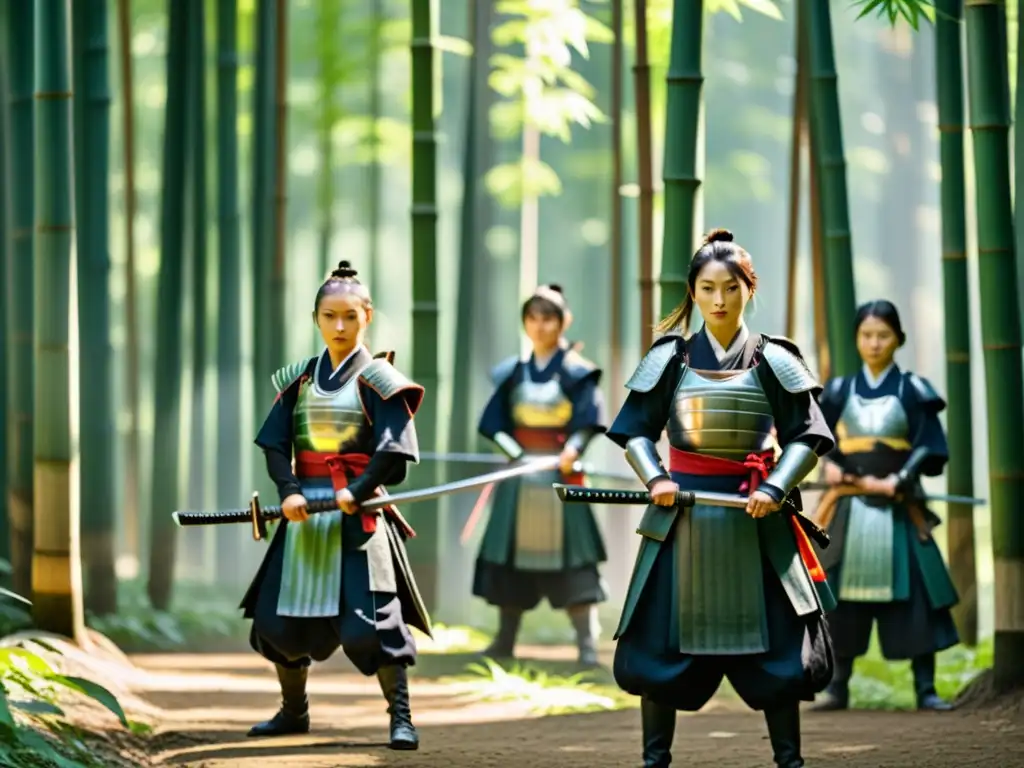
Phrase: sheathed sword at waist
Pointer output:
(575, 493)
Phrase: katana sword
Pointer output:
(497, 458)
(940, 498)
(258, 516)
(581, 494)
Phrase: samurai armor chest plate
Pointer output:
(721, 413)
(329, 422)
(540, 405)
(867, 421)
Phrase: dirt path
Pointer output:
(208, 702)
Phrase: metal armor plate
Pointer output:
(721, 413)
(540, 405)
(328, 422)
(867, 421)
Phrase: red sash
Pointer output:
(755, 467)
(337, 466)
(546, 440)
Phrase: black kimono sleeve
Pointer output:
(645, 414)
(587, 412)
(798, 417)
(394, 442)
(496, 416)
(926, 430)
(275, 438)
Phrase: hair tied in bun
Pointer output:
(718, 235)
(344, 270)
(556, 288)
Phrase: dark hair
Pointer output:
(718, 246)
(343, 280)
(884, 310)
(547, 300)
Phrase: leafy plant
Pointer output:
(546, 693)
(542, 91)
(29, 687)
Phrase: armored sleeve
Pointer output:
(923, 406)
(496, 419)
(645, 412)
(275, 438)
(587, 412)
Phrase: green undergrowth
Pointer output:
(544, 692)
(200, 619)
(881, 684)
(34, 729)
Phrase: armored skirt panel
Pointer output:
(880, 562)
(716, 593)
(535, 546)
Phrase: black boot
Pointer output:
(293, 717)
(837, 695)
(784, 734)
(659, 727)
(394, 682)
(504, 643)
(924, 684)
(584, 621)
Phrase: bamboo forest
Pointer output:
(362, 358)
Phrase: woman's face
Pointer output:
(877, 342)
(720, 296)
(544, 330)
(342, 320)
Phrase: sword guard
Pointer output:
(259, 525)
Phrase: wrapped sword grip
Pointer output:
(581, 495)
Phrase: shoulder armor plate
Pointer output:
(789, 367)
(578, 368)
(283, 378)
(653, 365)
(925, 391)
(501, 372)
(387, 381)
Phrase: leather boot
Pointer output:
(394, 683)
(659, 728)
(504, 643)
(784, 734)
(293, 717)
(924, 684)
(584, 621)
(837, 695)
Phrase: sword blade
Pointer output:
(497, 458)
(528, 467)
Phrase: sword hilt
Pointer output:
(581, 494)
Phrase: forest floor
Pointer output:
(198, 707)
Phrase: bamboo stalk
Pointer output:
(6, 258)
(684, 84)
(423, 551)
(276, 341)
(645, 174)
(615, 300)
(796, 150)
(167, 394)
(957, 313)
(56, 560)
(839, 279)
(1000, 327)
(95, 386)
(229, 316)
(20, 50)
(132, 535)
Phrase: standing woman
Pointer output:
(333, 579)
(883, 561)
(535, 546)
(718, 592)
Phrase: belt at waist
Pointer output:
(338, 466)
(755, 467)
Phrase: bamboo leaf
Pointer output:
(455, 45)
(14, 596)
(6, 718)
(37, 707)
(94, 691)
(44, 748)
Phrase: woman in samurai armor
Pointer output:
(338, 578)
(723, 592)
(883, 562)
(534, 546)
